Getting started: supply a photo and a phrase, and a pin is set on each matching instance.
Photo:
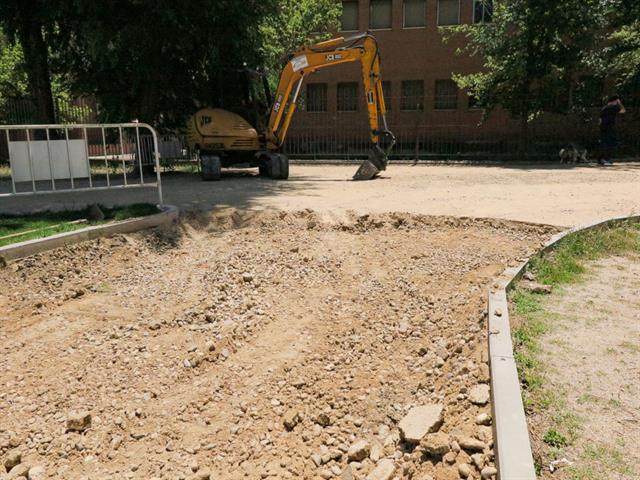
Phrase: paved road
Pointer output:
(555, 195)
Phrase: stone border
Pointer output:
(20, 250)
(512, 447)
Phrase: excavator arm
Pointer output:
(362, 48)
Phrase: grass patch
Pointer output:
(45, 224)
(566, 264)
(609, 459)
(555, 439)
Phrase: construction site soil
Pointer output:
(256, 345)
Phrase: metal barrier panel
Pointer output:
(80, 157)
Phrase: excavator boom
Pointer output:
(362, 48)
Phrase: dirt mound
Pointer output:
(255, 345)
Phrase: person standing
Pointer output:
(608, 136)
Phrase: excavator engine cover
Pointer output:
(371, 168)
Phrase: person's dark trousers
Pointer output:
(608, 142)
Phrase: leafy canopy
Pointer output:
(293, 24)
(530, 52)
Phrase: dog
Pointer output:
(573, 153)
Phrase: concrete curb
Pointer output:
(24, 249)
(512, 447)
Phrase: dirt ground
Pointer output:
(191, 348)
(550, 194)
(592, 360)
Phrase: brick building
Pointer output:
(416, 68)
(427, 112)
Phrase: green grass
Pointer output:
(39, 225)
(607, 459)
(555, 439)
(564, 265)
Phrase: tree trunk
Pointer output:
(37, 68)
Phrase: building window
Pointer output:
(446, 97)
(380, 14)
(316, 98)
(386, 93)
(348, 97)
(349, 16)
(415, 12)
(482, 11)
(448, 12)
(412, 95)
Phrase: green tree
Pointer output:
(13, 79)
(296, 23)
(530, 52)
(28, 24)
(622, 51)
(158, 60)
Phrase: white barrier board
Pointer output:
(64, 166)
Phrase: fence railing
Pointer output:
(79, 157)
(452, 134)
(14, 111)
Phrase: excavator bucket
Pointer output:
(371, 168)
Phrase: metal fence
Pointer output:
(16, 111)
(78, 157)
(460, 133)
(424, 133)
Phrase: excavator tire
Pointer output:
(277, 166)
(211, 167)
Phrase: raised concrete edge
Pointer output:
(512, 446)
(20, 250)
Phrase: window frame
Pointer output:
(482, 21)
(390, 27)
(435, 96)
(404, 16)
(402, 97)
(326, 97)
(357, 4)
(448, 24)
(356, 97)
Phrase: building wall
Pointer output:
(417, 53)
(422, 54)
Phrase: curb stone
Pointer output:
(20, 250)
(512, 446)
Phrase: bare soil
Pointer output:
(189, 347)
(592, 360)
(551, 194)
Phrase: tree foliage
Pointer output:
(158, 60)
(530, 52)
(621, 56)
(293, 24)
(29, 23)
(13, 78)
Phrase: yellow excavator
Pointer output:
(223, 138)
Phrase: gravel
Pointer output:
(342, 330)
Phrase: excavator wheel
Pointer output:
(276, 166)
(211, 167)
